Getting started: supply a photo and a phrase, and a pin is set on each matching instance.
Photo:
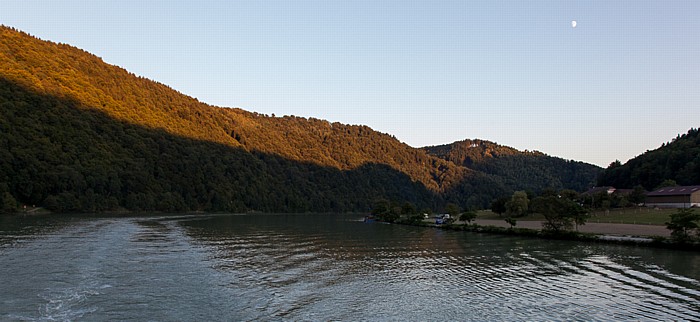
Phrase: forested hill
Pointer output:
(82, 135)
(516, 169)
(678, 160)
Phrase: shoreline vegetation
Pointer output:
(619, 239)
(615, 230)
(561, 214)
(610, 227)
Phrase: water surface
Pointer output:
(325, 267)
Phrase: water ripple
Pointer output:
(315, 268)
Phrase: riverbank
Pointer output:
(626, 234)
(636, 216)
(592, 228)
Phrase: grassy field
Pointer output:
(639, 216)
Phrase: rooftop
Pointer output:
(596, 190)
(675, 191)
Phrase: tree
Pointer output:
(518, 204)
(8, 203)
(615, 164)
(452, 209)
(677, 160)
(386, 211)
(667, 183)
(560, 214)
(530, 194)
(548, 192)
(638, 195)
(499, 205)
(411, 213)
(127, 142)
(381, 206)
(569, 194)
(408, 209)
(511, 221)
(683, 225)
(601, 199)
(467, 216)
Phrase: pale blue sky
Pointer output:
(625, 80)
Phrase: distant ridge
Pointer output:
(518, 170)
(80, 135)
(677, 161)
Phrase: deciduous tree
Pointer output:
(518, 204)
(560, 214)
(468, 216)
(684, 225)
(452, 209)
(499, 205)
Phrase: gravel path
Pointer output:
(595, 228)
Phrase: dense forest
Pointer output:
(677, 161)
(518, 170)
(80, 135)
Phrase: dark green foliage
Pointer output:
(667, 183)
(8, 204)
(684, 225)
(71, 159)
(468, 216)
(676, 162)
(518, 204)
(408, 209)
(569, 194)
(79, 135)
(638, 195)
(381, 207)
(499, 205)
(476, 190)
(452, 209)
(386, 211)
(516, 170)
(413, 218)
(606, 201)
(560, 213)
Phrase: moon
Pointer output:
(573, 23)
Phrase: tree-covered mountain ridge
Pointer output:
(83, 135)
(519, 170)
(675, 161)
(469, 152)
(68, 72)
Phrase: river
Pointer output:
(324, 267)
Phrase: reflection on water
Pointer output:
(327, 267)
(335, 269)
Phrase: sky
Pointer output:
(624, 80)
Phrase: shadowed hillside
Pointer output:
(67, 157)
(518, 170)
(678, 160)
(83, 135)
(67, 72)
